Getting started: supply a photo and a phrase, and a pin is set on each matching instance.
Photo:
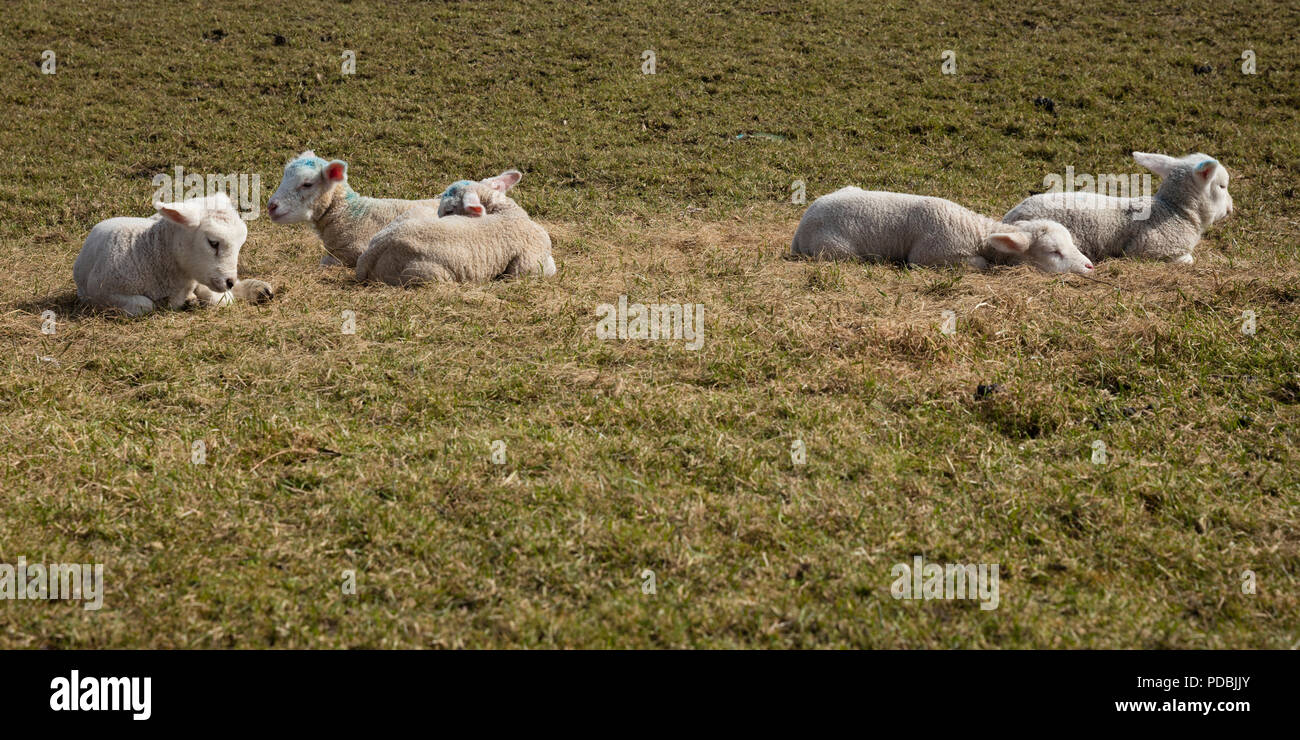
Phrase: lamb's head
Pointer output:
(1044, 244)
(473, 199)
(1197, 183)
(305, 191)
(211, 235)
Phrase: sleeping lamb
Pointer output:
(852, 223)
(483, 234)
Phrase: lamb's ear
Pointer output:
(1011, 242)
(336, 170)
(504, 181)
(185, 213)
(1205, 171)
(473, 206)
(1158, 163)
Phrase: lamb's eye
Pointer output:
(214, 244)
(306, 185)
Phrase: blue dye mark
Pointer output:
(358, 205)
(455, 188)
(314, 163)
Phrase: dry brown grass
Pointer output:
(329, 452)
(371, 452)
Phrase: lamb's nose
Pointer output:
(272, 207)
(1089, 265)
(230, 283)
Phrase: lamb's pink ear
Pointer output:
(336, 171)
(504, 181)
(1205, 170)
(182, 213)
(1160, 164)
(1012, 242)
(473, 206)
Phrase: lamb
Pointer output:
(482, 234)
(189, 250)
(461, 198)
(1193, 195)
(852, 223)
(317, 190)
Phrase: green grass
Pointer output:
(372, 452)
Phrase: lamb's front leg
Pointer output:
(132, 305)
(210, 297)
(929, 256)
(253, 291)
(527, 265)
(185, 294)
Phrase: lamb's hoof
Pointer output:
(255, 291)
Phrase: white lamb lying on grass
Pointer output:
(317, 191)
(482, 234)
(188, 251)
(1193, 194)
(852, 223)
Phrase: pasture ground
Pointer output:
(372, 452)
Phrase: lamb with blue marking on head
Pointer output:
(477, 234)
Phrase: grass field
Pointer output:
(372, 452)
